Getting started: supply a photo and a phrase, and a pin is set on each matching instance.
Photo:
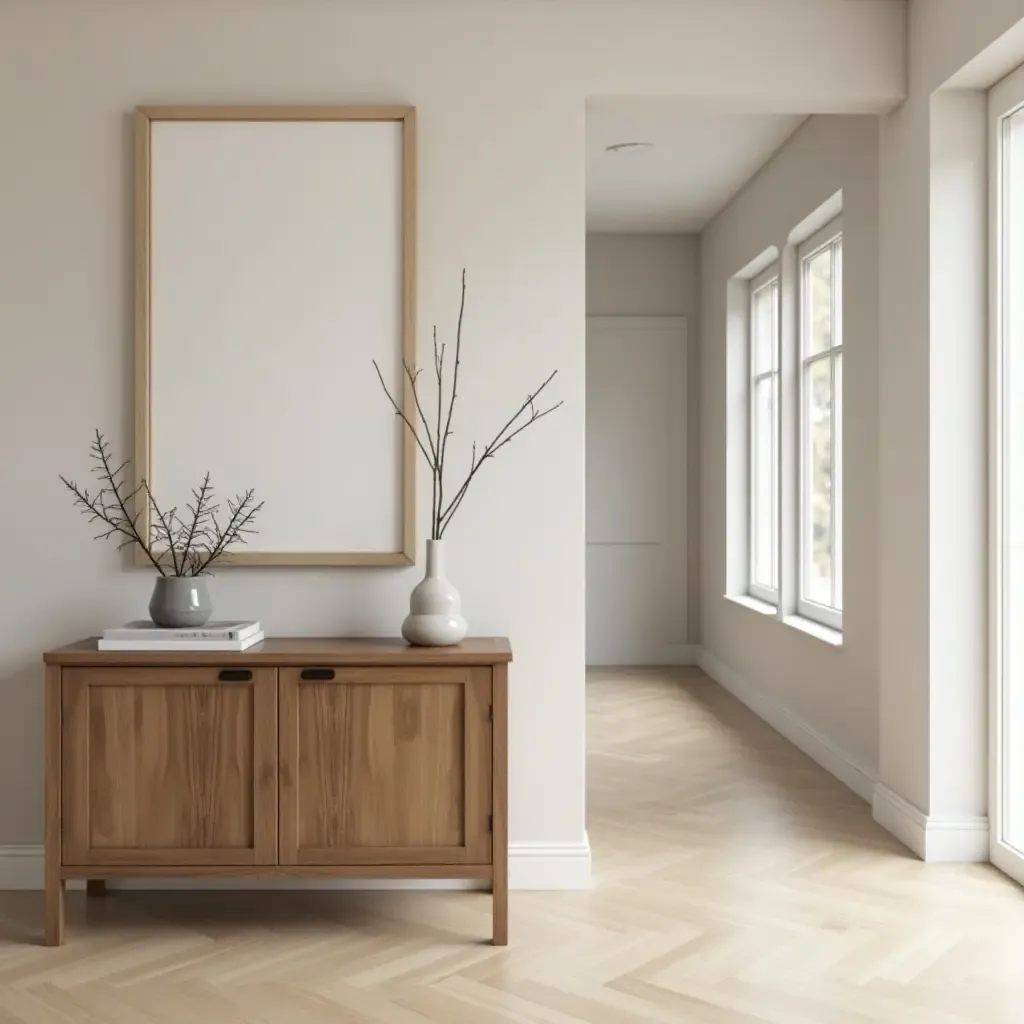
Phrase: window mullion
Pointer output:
(819, 356)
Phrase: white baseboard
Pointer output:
(783, 721)
(549, 865)
(530, 866)
(934, 839)
(21, 867)
(682, 654)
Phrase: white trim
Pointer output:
(754, 604)
(1005, 98)
(770, 277)
(760, 594)
(830, 235)
(758, 264)
(783, 721)
(681, 654)
(21, 867)
(900, 818)
(822, 615)
(935, 840)
(550, 865)
(814, 223)
(530, 866)
(818, 630)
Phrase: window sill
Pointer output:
(834, 637)
(754, 604)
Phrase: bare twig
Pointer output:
(437, 488)
(183, 537)
(242, 511)
(195, 530)
(164, 522)
(436, 447)
(413, 374)
(443, 441)
(404, 418)
(115, 514)
(499, 441)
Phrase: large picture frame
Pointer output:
(275, 259)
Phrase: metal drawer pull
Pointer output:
(235, 675)
(317, 673)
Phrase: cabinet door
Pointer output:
(385, 766)
(168, 766)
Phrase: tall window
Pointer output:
(1006, 474)
(764, 435)
(820, 262)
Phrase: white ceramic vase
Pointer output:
(435, 609)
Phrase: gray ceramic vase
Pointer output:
(180, 601)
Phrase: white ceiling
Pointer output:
(698, 162)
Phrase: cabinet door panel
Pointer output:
(169, 766)
(385, 766)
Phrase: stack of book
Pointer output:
(214, 636)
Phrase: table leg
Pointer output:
(54, 911)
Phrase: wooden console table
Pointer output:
(346, 758)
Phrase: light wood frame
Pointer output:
(144, 119)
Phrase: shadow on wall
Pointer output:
(21, 710)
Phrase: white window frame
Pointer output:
(771, 275)
(826, 615)
(1005, 99)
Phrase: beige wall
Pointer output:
(501, 91)
(643, 275)
(933, 589)
(657, 275)
(832, 690)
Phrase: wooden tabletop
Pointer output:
(299, 651)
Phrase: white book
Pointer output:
(166, 644)
(144, 629)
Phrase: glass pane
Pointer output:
(837, 485)
(1011, 825)
(764, 484)
(817, 534)
(763, 324)
(818, 302)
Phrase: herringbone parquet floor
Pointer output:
(735, 882)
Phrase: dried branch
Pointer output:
(436, 447)
(198, 511)
(443, 442)
(502, 438)
(242, 512)
(184, 539)
(163, 523)
(437, 482)
(114, 512)
(413, 374)
(404, 418)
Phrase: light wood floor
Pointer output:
(735, 882)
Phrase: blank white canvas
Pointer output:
(276, 270)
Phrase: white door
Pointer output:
(636, 490)
(1006, 810)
